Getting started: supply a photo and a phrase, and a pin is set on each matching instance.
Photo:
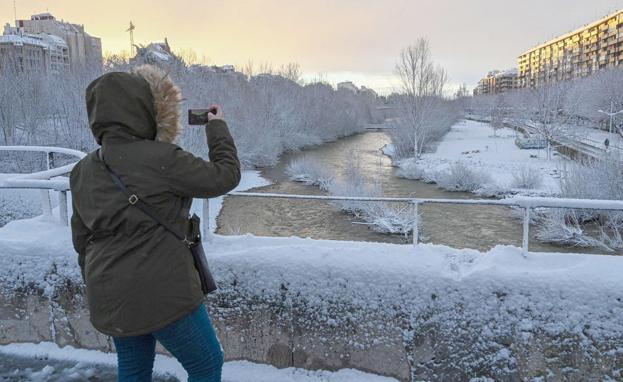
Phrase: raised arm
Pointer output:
(192, 176)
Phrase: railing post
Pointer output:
(49, 160)
(526, 231)
(62, 207)
(207, 232)
(416, 223)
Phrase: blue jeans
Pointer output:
(191, 339)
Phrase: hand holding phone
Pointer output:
(203, 116)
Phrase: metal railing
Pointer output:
(526, 203)
(41, 180)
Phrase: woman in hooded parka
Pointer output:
(141, 282)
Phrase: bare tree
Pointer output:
(422, 84)
(552, 109)
(499, 113)
(291, 71)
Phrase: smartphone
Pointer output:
(198, 116)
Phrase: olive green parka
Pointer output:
(138, 276)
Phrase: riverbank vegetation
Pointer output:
(593, 179)
(471, 158)
(422, 114)
(383, 217)
(269, 112)
(562, 107)
(575, 110)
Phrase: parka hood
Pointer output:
(141, 104)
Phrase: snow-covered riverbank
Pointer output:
(471, 158)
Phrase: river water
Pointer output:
(458, 226)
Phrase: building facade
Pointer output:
(594, 47)
(21, 52)
(84, 49)
(497, 82)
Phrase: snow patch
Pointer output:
(508, 169)
(234, 371)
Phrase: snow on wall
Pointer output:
(457, 313)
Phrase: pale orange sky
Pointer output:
(340, 39)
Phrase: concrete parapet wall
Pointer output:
(435, 314)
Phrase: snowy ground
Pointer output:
(46, 362)
(473, 144)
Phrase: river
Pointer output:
(458, 226)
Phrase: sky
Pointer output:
(337, 40)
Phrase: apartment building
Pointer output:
(496, 82)
(84, 49)
(596, 46)
(21, 52)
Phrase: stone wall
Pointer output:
(287, 335)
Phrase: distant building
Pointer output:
(497, 82)
(84, 49)
(154, 53)
(347, 85)
(594, 47)
(25, 52)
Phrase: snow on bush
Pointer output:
(310, 171)
(526, 177)
(389, 150)
(411, 169)
(423, 114)
(268, 114)
(18, 204)
(460, 177)
(382, 217)
(593, 179)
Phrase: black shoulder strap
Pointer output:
(134, 200)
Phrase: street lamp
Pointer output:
(611, 114)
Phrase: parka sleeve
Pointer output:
(79, 236)
(191, 176)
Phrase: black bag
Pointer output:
(193, 243)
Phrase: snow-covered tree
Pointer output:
(423, 114)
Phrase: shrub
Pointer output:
(409, 169)
(310, 171)
(460, 177)
(594, 179)
(526, 177)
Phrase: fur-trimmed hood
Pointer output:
(141, 104)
